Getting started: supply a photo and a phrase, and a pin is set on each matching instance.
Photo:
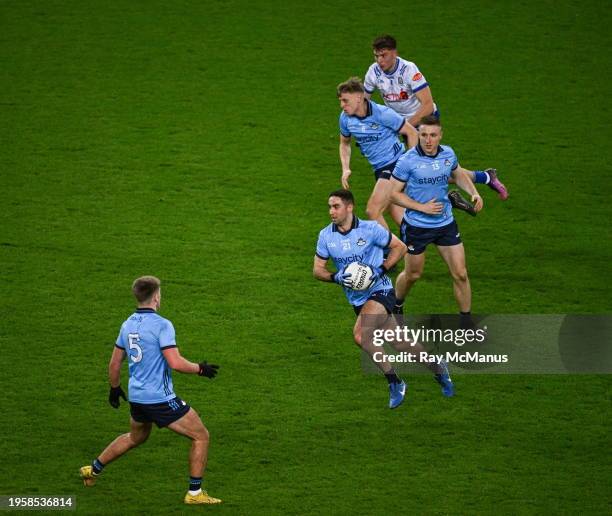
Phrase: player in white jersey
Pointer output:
(401, 84)
(404, 89)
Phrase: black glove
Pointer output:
(208, 370)
(114, 394)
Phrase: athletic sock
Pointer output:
(195, 485)
(465, 320)
(481, 177)
(392, 377)
(97, 466)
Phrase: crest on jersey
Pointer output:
(361, 242)
(346, 245)
(400, 80)
(374, 125)
(446, 163)
(417, 76)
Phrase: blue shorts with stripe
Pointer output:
(162, 414)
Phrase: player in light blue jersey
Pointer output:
(349, 239)
(148, 341)
(375, 129)
(420, 184)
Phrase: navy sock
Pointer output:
(392, 377)
(97, 466)
(195, 483)
(481, 177)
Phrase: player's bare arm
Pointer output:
(397, 250)
(398, 197)
(463, 181)
(114, 366)
(410, 133)
(320, 271)
(426, 108)
(345, 159)
(179, 363)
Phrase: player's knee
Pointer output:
(202, 435)
(413, 275)
(138, 438)
(460, 276)
(372, 211)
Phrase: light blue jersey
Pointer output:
(364, 243)
(426, 178)
(375, 134)
(142, 337)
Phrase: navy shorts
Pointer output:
(384, 172)
(162, 414)
(417, 238)
(384, 297)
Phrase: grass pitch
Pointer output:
(198, 141)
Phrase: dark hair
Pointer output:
(345, 195)
(353, 85)
(144, 287)
(430, 120)
(384, 41)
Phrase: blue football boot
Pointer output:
(397, 391)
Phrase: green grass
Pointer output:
(198, 143)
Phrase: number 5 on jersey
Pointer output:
(133, 340)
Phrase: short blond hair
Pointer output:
(145, 287)
(353, 85)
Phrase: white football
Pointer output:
(360, 275)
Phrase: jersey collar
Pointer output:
(354, 225)
(389, 74)
(368, 111)
(145, 311)
(421, 152)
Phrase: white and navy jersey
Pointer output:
(426, 178)
(143, 336)
(363, 243)
(376, 134)
(397, 87)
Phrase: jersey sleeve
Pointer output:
(402, 169)
(322, 251)
(382, 236)
(344, 130)
(391, 118)
(369, 82)
(416, 79)
(167, 336)
(454, 162)
(120, 343)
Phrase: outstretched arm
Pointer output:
(177, 362)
